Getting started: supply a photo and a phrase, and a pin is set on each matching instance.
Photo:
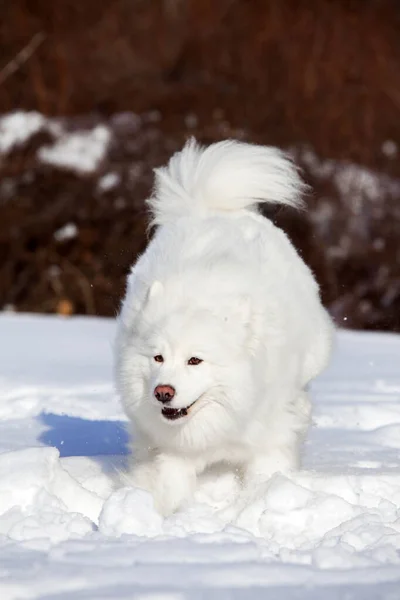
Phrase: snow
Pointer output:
(108, 182)
(67, 232)
(81, 151)
(18, 127)
(389, 148)
(330, 531)
(352, 182)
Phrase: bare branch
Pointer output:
(21, 57)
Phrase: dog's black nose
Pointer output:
(164, 393)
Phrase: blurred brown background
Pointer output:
(93, 95)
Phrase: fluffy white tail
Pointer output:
(226, 176)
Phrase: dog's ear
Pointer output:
(137, 297)
(133, 300)
(155, 290)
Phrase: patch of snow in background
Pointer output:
(83, 151)
(126, 122)
(389, 148)
(67, 232)
(108, 182)
(80, 151)
(18, 127)
(352, 181)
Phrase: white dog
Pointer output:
(222, 327)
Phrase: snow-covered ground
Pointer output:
(329, 532)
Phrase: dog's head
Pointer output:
(185, 371)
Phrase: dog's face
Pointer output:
(185, 376)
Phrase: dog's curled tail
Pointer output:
(224, 177)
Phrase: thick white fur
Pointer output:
(220, 282)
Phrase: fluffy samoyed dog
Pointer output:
(222, 326)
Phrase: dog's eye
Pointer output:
(159, 358)
(194, 361)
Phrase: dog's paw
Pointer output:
(170, 480)
(262, 467)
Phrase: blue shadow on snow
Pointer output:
(81, 437)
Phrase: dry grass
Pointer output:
(290, 70)
(284, 72)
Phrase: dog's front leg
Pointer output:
(170, 479)
(273, 460)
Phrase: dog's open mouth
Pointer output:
(176, 413)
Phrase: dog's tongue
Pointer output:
(174, 413)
